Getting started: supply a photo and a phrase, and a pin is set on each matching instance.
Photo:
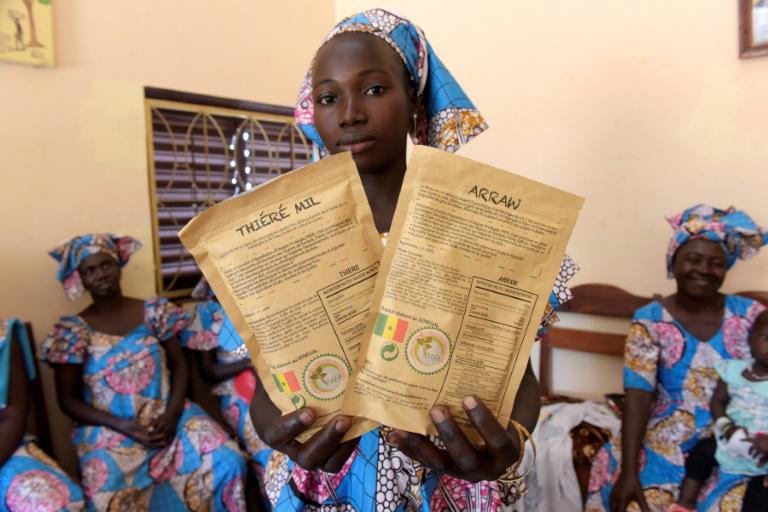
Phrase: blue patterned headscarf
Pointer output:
(733, 229)
(71, 253)
(445, 118)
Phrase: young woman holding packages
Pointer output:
(374, 81)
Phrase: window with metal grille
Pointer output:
(201, 150)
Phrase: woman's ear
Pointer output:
(413, 109)
(413, 101)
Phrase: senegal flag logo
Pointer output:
(286, 382)
(390, 328)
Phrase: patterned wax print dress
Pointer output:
(127, 376)
(662, 357)
(30, 481)
(212, 330)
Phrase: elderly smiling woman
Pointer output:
(669, 364)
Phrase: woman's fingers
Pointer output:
(336, 461)
(321, 446)
(460, 457)
(641, 501)
(282, 430)
(459, 448)
(151, 440)
(421, 449)
(496, 437)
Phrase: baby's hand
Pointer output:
(759, 448)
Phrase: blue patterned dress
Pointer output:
(127, 376)
(213, 330)
(662, 357)
(30, 481)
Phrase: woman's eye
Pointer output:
(375, 90)
(325, 99)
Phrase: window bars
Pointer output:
(202, 150)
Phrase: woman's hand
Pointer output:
(461, 458)
(164, 426)
(626, 490)
(140, 433)
(324, 450)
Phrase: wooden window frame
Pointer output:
(158, 102)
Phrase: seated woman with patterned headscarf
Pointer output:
(121, 375)
(29, 479)
(673, 347)
(226, 366)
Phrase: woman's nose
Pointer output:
(706, 267)
(352, 112)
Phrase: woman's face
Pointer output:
(362, 101)
(699, 268)
(100, 275)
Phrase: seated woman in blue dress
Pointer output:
(29, 479)
(670, 358)
(121, 375)
(225, 364)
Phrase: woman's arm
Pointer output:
(214, 372)
(69, 391)
(528, 402)
(637, 411)
(13, 418)
(719, 400)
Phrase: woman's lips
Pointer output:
(702, 281)
(356, 146)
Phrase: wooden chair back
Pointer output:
(588, 299)
(600, 300)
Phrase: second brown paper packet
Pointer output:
(471, 258)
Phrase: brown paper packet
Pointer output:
(470, 261)
(293, 262)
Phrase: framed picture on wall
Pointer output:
(26, 32)
(753, 28)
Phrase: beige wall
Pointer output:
(644, 108)
(72, 138)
